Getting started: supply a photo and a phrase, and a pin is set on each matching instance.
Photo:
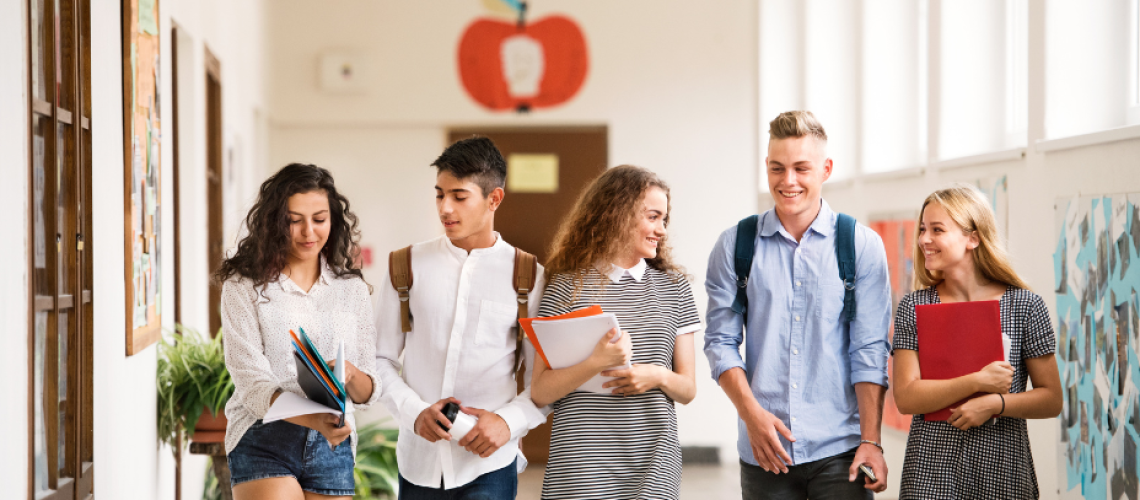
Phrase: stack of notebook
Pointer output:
(323, 388)
(568, 339)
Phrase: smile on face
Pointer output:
(309, 225)
(944, 244)
(797, 168)
(651, 223)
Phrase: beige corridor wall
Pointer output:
(14, 255)
(673, 81)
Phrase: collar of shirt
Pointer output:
(823, 224)
(462, 254)
(616, 272)
(324, 278)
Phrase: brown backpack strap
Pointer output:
(525, 276)
(400, 273)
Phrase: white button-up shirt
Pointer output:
(259, 349)
(462, 344)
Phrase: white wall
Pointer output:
(674, 82)
(14, 256)
(129, 464)
(232, 32)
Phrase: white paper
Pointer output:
(1006, 345)
(338, 370)
(567, 342)
(289, 405)
(339, 373)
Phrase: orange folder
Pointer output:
(314, 363)
(580, 313)
(957, 339)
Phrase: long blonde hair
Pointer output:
(970, 210)
(597, 229)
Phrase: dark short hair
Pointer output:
(475, 159)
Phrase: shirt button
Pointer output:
(794, 386)
(795, 351)
(797, 318)
(793, 419)
(797, 283)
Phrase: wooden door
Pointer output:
(529, 220)
(214, 229)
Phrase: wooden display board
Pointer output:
(142, 198)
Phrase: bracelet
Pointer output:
(876, 445)
(1002, 403)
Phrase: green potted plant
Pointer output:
(192, 379)
(376, 472)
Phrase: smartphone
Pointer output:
(451, 411)
(867, 472)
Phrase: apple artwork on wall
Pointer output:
(522, 66)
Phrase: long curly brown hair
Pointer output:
(261, 254)
(598, 228)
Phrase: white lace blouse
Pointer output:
(259, 352)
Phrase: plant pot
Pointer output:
(208, 422)
(210, 429)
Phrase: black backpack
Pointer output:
(746, 250)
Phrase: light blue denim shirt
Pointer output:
(800, 357)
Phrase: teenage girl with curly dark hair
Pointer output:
(294, 269)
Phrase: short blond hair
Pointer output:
(796, 124)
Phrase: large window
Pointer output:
(860, 67)
(894, 85)
(983, 62)
(883, 75)
(60, 310)
(1089, 63)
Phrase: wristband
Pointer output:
(876, 445)
(1002, 403)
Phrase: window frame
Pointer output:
(68, 261)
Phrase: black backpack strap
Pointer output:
(745, 251)
(845, 254)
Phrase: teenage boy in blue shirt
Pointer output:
(809, 388)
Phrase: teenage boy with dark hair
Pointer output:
(458, 337)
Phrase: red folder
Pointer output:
(957, 339)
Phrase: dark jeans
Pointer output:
(824, 479)
(502, 484)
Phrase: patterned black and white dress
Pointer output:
(992, 460)
(611, 447)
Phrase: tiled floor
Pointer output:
(698, 482)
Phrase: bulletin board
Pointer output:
(1098, 338)
(142, 196)
(897, 233)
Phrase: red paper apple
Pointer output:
(505, 65)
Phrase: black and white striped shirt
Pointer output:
(612, 447)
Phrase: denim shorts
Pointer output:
(282, 449)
